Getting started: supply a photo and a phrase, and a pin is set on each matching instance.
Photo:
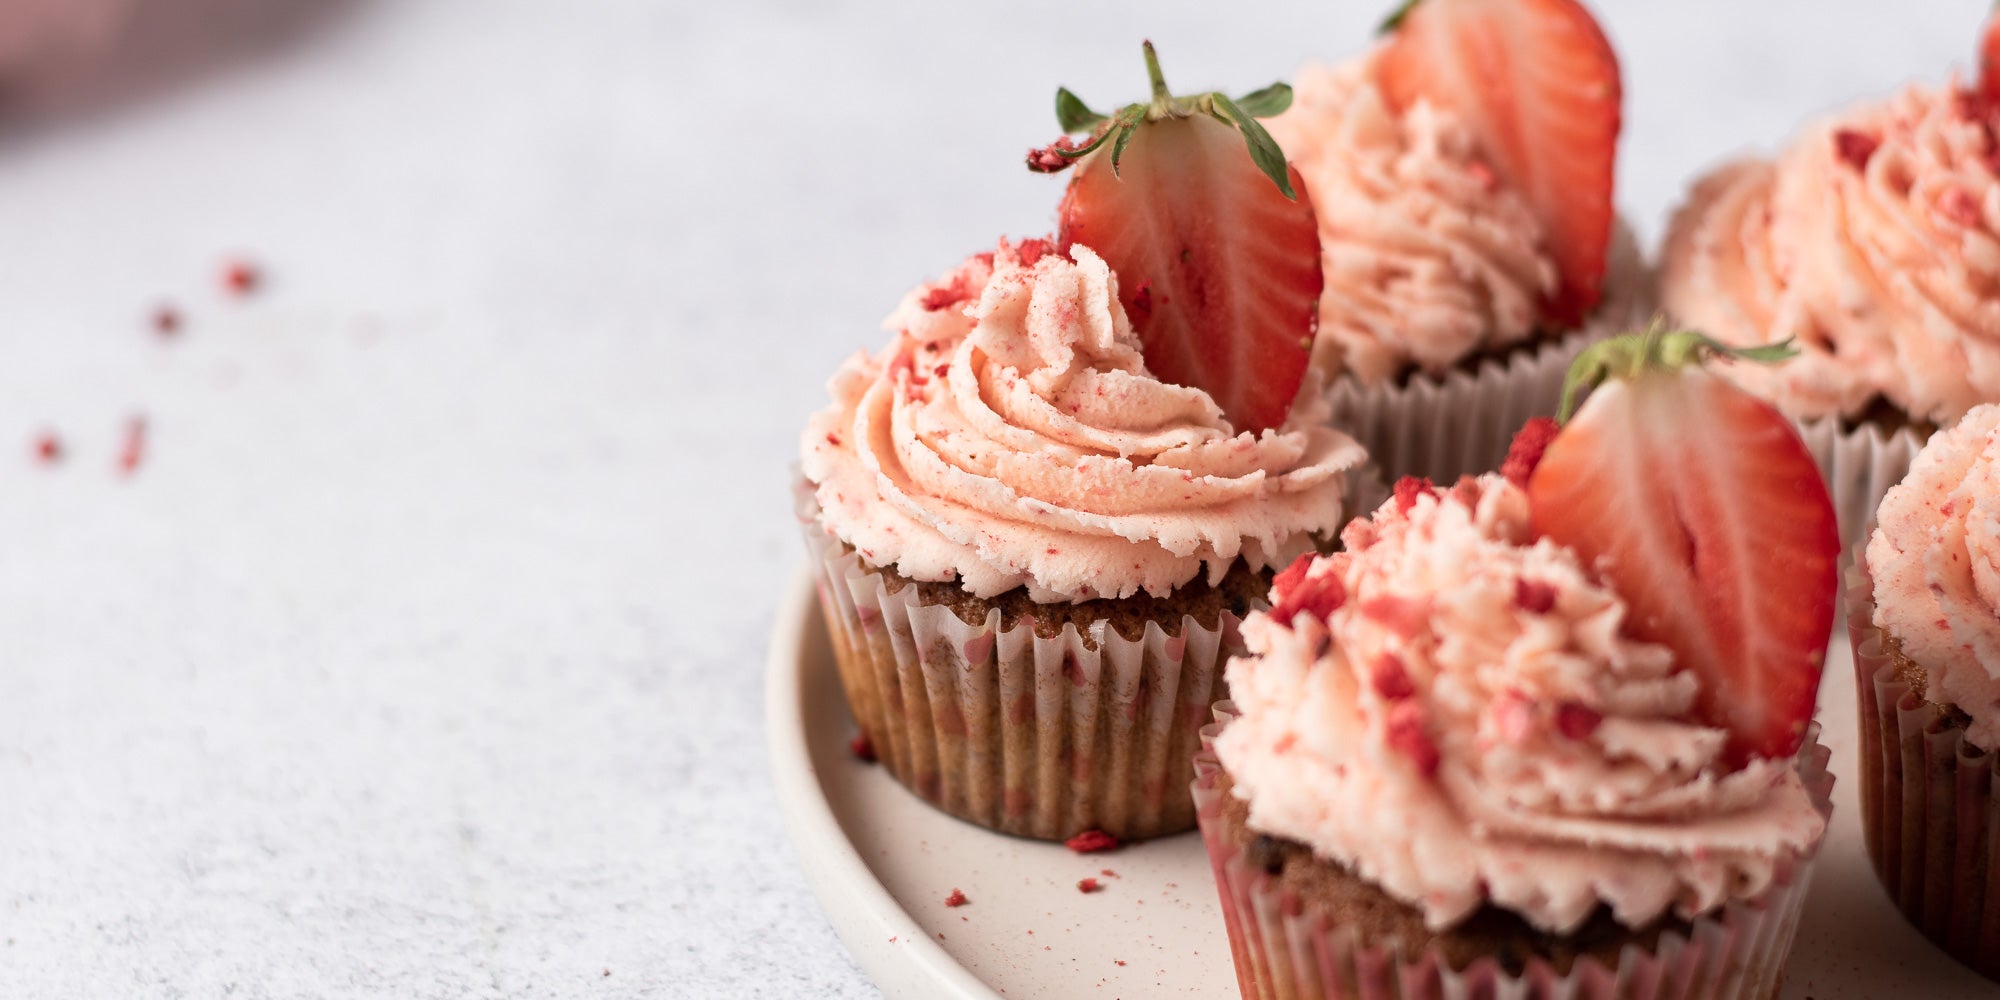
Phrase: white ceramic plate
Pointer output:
(882, 863)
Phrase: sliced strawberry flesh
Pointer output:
(1702, 506)
(1539, 83)
(1218, 270)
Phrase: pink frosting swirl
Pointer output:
(1011, 436)
(1429, 257)
(1875, 241)
(1935, 557)
(1468, 726)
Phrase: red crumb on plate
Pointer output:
(1091, 841)
(166, 322)
(1107, 873)
(241, 277)
(134, 451)
(956, 899)
(1088, 885)
(48, 448)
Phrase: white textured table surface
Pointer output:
(421, 656)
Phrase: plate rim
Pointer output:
(899, 957)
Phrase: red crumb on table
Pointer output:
(607, 973)
(48, 448)
(133, 453)
(956, 899)
(862, 749)
(241, 277)
(166, 322)
(1120, 961)
(1526, 451)
(1091, 841)
(1107, 873)
(1088, 885)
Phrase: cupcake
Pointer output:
(1467, 236)
(1483, 752)
(1873, 243)
(1924, 617)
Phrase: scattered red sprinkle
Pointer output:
(862, 749)
(1534, 596)
(1120, 961)
(1107, 873)
(942, 370)
(240, 277)
(166, 322)
(1856, 148)
(48, 448)
(1047, 159)
(1408, 489)
(1526, 451)
(1391, 679)
(1088, 885)
(833, 439)
(956, 899)
(1577, 721)
(1031, 251)
(1091, 842)
(1406, 736)
(134, 452)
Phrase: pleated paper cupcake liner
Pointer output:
(1460, 422)
(1859, 465)
(1285, 949)
(1930, 799)
(1030, 735)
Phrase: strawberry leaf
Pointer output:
(1268, 102)
(1118, 149)
(1073, 114)
(1264, 150)
(1397, 16)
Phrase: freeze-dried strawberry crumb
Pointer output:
(1855, 148)
(1032, 251)
(862, 749)
(833, 439)
(1391, 679)
(1107, 873)
(1405, 616)
(134, 451)
(1534, 596)
(1091, 842)
(240, 277)
(956, 899)
(48, 448)
(1576, 721)
(959, 290)
(166, 321)
(1295, 592)
(1405, 732)
(1408, 489)
(1527, 450)
(1047, 159)
(1088, 885)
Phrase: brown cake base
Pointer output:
(1041, 720)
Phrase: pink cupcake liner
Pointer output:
(1285, 949)
(1460, 423)
(1930, 799)
(1036, 736)
(1859, 466)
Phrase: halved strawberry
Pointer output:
(1216, 248)
(1539, 83)
(1701, 505)
(1989, 59)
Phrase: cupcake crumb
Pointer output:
(956, 899)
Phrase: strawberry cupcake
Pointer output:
(1467, 230)
(1873, 243)
(1034, 546)
(1924, 616)
(1483, 752)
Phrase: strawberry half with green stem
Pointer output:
(1538, 83)
(1701, 505)
(1211, 235)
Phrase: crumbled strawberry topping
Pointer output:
(1295, 591)
(833, 439)
(958, 290)
(1107, 873)
(1405, 733)
(1408, 489)
(1033, 250)
(1526, 451)
(1091, 842)
(1534, 596)
(956, 899)
(1577, 721)
(1855, 148)
(1047, 159)
(1390, 678)
(1960, 206)
(862, 748)
(1088, 885)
